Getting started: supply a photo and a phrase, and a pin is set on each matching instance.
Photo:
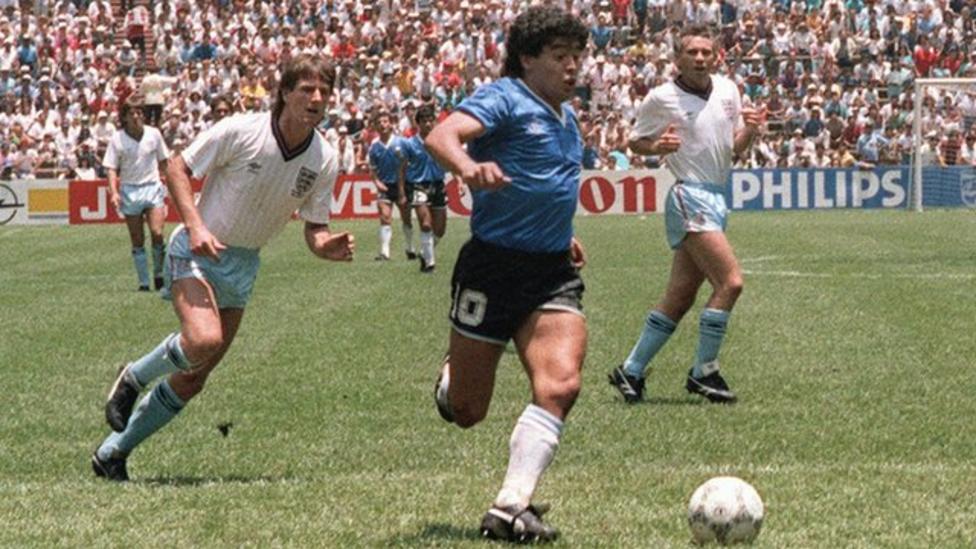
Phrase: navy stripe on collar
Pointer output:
(703, 94)
(280, 140)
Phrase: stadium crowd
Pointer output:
(835, 76)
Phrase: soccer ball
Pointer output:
(726, 510)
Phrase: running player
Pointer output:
(384, 165)
(422, 186)
(698, 124)
(260, 168)
(518, 276)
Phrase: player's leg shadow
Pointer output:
(671, 401)
(188, 481)
(434, 533)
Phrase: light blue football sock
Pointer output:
(142, 265)
(657, 329)
(158, 253)
(166, 358)
(711, 330)
(154, 411)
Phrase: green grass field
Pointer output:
(851, 349)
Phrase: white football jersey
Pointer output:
(707, 128)
(253, 184)
(137, 162)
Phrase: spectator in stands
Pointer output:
(951, 147)
(83, 170)
(869, 144)
(137, 21)
(27, 54)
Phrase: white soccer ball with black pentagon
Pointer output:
(725, 510)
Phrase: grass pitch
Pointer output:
(851, 350)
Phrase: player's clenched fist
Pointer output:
(754, 118)
(340, 247)
(485, 176)
(669, 141)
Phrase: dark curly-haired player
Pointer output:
(518, 276)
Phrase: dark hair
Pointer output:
(694, 31)
(425, 111)
(536, 28)
(299, 67)
(134, 101)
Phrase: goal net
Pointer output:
(943, 168)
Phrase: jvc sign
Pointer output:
(800, 189)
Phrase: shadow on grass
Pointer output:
(433, 533)
(201, 481)
(670, 401)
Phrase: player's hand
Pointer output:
(754, 119)
(114, 199)
(669, 141)
(485, 176)
(339, 247)
(577, 254)
(202, 242)
(402, 200)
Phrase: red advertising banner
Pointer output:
(620, 192)
(88, 203)
(355, 196)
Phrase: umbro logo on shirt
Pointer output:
(535, 127)
(253, 167)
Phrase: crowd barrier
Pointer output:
(601, 193)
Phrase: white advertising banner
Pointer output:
(34, 202)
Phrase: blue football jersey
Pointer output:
(541, 150)
(421, 166)
(385, 161)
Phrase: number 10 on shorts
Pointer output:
(469, 307)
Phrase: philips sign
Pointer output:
(799, 189)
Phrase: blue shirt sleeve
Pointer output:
(489, 105)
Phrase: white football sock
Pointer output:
(531, 449)
(408, 237)
(386, 234)
(427, 246)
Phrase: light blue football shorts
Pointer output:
(232, 278)
(136, 199)
(694, 208)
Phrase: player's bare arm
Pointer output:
(113, 188)
(181, 192)
(162, 171)
(668, 142)
(754, 120)
(376, 179)
(577, 253)
(402, 183)
(328, 245)
(446, 143)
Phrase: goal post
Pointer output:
(933, 184)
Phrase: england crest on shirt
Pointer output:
(303, 182)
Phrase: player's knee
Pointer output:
(560, 391)
(566, 389)
(733, 286)
(468, 415)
